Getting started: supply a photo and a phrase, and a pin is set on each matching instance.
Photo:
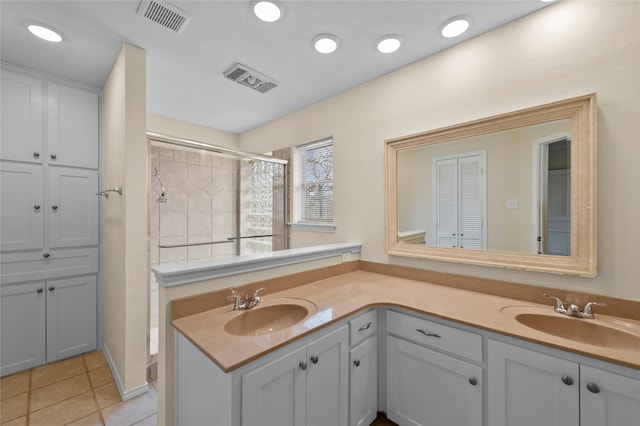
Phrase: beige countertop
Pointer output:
(338, 297)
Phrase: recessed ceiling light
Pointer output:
(267, 11)
(389, 43)
(325, 43)
(456, 26)
(45, 33)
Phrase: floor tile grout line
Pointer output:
(93, 392)
(28, 420)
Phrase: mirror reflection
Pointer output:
(516, 190)
(505, 191)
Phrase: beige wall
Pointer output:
(171, 127)
(569, 49)
(125, 221)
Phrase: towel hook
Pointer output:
(105, 193)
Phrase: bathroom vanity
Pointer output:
(423, 353)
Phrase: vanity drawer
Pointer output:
(428, 333)
(362, 327)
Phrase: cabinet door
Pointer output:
(73, 207)
(328, 379)
(21, 122)
(425, 387)
(608, 399)
(363, 393)
(275, 393)
(22, 326)
(21, 198)
(73, 131)
(71, 317)
(531, 388)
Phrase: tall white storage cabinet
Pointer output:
(49, 219)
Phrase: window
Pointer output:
(315, 186)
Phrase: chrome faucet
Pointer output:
(572, 309)
(248, 303)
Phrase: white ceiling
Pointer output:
(184, 71)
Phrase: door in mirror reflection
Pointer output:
(554, 201)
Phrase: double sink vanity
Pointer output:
(428, 348)
(338, 350)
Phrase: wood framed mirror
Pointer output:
(517, 190)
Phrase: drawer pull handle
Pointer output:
(36, 155)
(429, 334)
(46, 255)
(52, 288)
(365, 327)
(314, 359)
(356, 363)
(53, 156)
(302, 365)
(593, 388)
(54, 207)
(473, 381)
(39, 290)
(567, 380)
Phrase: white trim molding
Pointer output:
(173, 274)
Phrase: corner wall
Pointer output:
(568, 49)
(125, 222)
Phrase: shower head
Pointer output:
(163, 194)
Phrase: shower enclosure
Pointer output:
(210, 202)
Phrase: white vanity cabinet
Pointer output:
(46, 321)
(427, 382)
(363, 373)
(308, 386)
(305, 383)
(528, 387)
(531, 388)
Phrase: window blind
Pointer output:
(316, 182)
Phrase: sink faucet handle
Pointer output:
(559, 303)
(587, 311)
(255, 293)
(237, 301)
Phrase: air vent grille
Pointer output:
(246, 76)
(165, 14)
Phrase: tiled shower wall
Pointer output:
(201, 192)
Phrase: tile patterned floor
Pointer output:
(78, 391)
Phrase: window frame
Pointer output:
(302, 223)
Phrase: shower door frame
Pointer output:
(215, 149)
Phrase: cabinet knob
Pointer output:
(39, 290)
(52, 288)
(46, 255)
(593, 388)
(302, 365)
(473, 381)
(37, 207)
(356, 363)
(314, 359)
(567, 380)
(53, 156)
(36, 155)
(54, 207)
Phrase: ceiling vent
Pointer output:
(251, 78)
(165, 14)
